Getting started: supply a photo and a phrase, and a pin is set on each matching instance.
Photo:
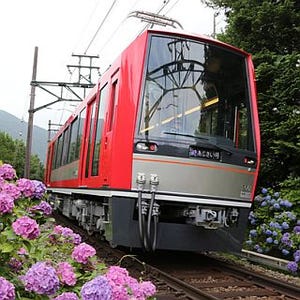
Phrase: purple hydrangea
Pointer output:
(7, 290)
(6, 203)
(44, 207)
(68, 234)
(7, 172)
(297, 229)
(12, 190)
(82, 252)
(292, 266)
(96, 289)
(26, 187)
(39, 189)
(41, 278)
(286, 239)
(15, 264)
(26, 227)
(66, 296)
(297, 256)
(66, 273)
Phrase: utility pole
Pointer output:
(30, 117)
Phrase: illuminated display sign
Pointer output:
(198, 152)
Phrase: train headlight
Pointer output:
(147, 147)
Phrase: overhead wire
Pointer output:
(101, 24)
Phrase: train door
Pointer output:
(108, 130)
(96, 109)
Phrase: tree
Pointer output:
(13, 152)
(269, 30)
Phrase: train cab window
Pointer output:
(196, 90)
(99, 129)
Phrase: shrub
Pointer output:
(42, 260)
(274, 228)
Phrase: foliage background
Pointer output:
(13, 152)
(269, 30)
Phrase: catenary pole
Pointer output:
(30, 117)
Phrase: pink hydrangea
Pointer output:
(66, 296)
(7, 289)
(7, 172)
(22, 251)
(6, 203)
(121, 282)
(118, 279)
(83, 252)
(26, 187)
(12, 190)
(26, 227)
(66, 273)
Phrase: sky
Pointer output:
(62, 27)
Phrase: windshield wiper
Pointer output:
(209, 141)
(186, 135)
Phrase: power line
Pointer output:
(101, 24)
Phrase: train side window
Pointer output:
(73, 140)
(79, 134)
(66, 144)
(114, 95)
(54, 155)
(92, 114)
(59, 151)
(99, 129)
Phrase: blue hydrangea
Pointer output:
(276, 242)
(276, 195)
(285, 225)
(276, 206)
(96, 289)
(269, 240)
(253, 232)
(285, 252)
(268, 232)
(264, 191)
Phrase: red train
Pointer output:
(164, 152)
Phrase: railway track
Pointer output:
(191, 276)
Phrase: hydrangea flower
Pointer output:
(119, 279)
(264, 191)
(7, 172)
(26, 227)
(292, 266)
(66, 296)
(7, 290)
(6, 203)
(41, 279)
(67, 233)
(44, 207)
(15, 264)
(22, 251)
(66, 273)
(297, 256)
(82, 252)
(285, 252)
(96, 289)
(297, 229)
(26, 187)
(148, 288)
(269, 240)
(12, 190)
(39, 189)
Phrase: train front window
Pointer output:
(193, 89)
